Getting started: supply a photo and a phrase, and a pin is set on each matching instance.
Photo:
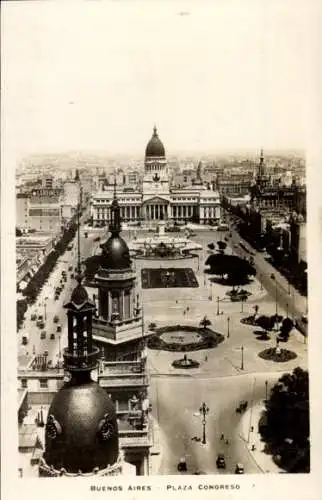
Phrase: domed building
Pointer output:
(118, 333)
(156, 198)
(154, 148)
(81, 433)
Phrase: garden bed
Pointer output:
(168, 278)
(271, 355)
(208, 339)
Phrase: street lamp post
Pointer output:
(228, 320)
(204, 410)
(276, 306)
(266, 384)
(45, 308)
(242, 357)
(59, 349)
(287, 309)
(217, 306)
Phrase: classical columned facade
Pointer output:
(155, 199)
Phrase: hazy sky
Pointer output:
(96, 76)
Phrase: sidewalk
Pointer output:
(251, 419)
(156, 448)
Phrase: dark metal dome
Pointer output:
(79, 295)
(81, 430)
(116, 254)
(155, 146)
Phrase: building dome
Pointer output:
(116, 253)
(79, 295)
(81, 431)
(154, 147)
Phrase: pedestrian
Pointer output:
(184, 312)
(206, 358)
(253, 447)
(227, 441)
(188, 309)
(222, 437)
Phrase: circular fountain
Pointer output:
(185, 363)
(161, 246)
(178, 338)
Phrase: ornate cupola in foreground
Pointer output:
(118, 318)
(81, 433)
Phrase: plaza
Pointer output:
(226, 374)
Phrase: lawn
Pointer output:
(169, 278)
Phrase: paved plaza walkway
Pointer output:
(252, 438)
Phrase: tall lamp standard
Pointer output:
(45, 308)
(228, 320)
(242, 357)
(217, 306)
(266, 384)
(276, 306)
(59, 348)
(204, 410)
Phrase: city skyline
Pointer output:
(219, 78)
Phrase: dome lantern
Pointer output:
(155, 148)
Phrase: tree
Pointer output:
(18, 232)
(237, 269)
(266, 323)
(21, 310)
(286, 327)
(222, 245)
(211, 246)
(205, 322)
(286, 430)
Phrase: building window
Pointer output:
(24, 383)
(43, 383)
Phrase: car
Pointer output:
(220, 462)
(304, 319)
(40, 324)
(33, 317)
(70, 268)
(24, 340)
(56, 319)
(239, 469)
(52, 336)
(58, 329)
(40, 317)
(242, 406)
(43, 335)
(182, 465)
